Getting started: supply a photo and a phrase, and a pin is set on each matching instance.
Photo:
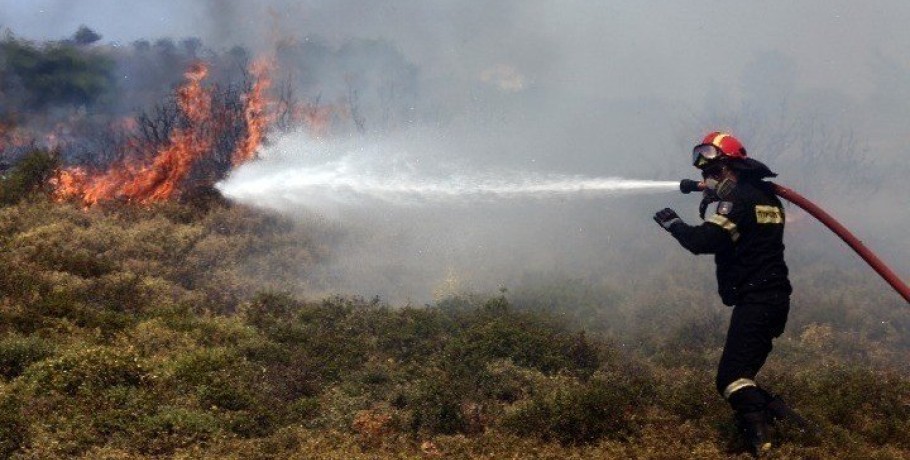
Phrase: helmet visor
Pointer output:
(703, 154)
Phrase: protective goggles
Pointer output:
(703, 154)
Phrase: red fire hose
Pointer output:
(848, 238)
(688, 186)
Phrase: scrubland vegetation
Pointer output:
(170, 331)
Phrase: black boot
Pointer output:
(754, 427)
(778, 410)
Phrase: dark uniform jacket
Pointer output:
(746, 237)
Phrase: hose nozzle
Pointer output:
(688, 186)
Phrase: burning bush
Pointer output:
(207, 132)
(62, 96)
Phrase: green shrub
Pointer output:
(503, 381)
(202, 366)
(13, 425)
(18, 352)
(254, 423)
(170, 428)
(337, 408)
(63, 247)
(531, 340)
(702, 330)
(871, 404)
(30, 174)
(220, 379)
(303, 409)
(269, 311)
(86, 370)
(411, 335)
(690, 394)
(594, 307)
(67, 305)
(574, 412)
(436, 405)
(225, 394)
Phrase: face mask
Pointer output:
(721, 188)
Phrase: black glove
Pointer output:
(666, 218)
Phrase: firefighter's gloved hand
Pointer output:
(666, 218)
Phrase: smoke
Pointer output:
(466, 95)
(421, 225)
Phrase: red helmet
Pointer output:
(717, 146)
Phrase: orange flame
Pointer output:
(69, 183)
(255, 112)
(159, 180)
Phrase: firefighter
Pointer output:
(745, 234)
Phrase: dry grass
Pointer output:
(141, 333)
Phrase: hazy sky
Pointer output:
(613, 48)
(600, 72)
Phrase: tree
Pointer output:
(191, 46)
(85, 36)
(55, 74)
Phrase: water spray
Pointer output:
(413, 191)
(368, 178)
(689, 186)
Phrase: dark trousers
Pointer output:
(753, 326)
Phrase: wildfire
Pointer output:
(145, 181)
(255, 113)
